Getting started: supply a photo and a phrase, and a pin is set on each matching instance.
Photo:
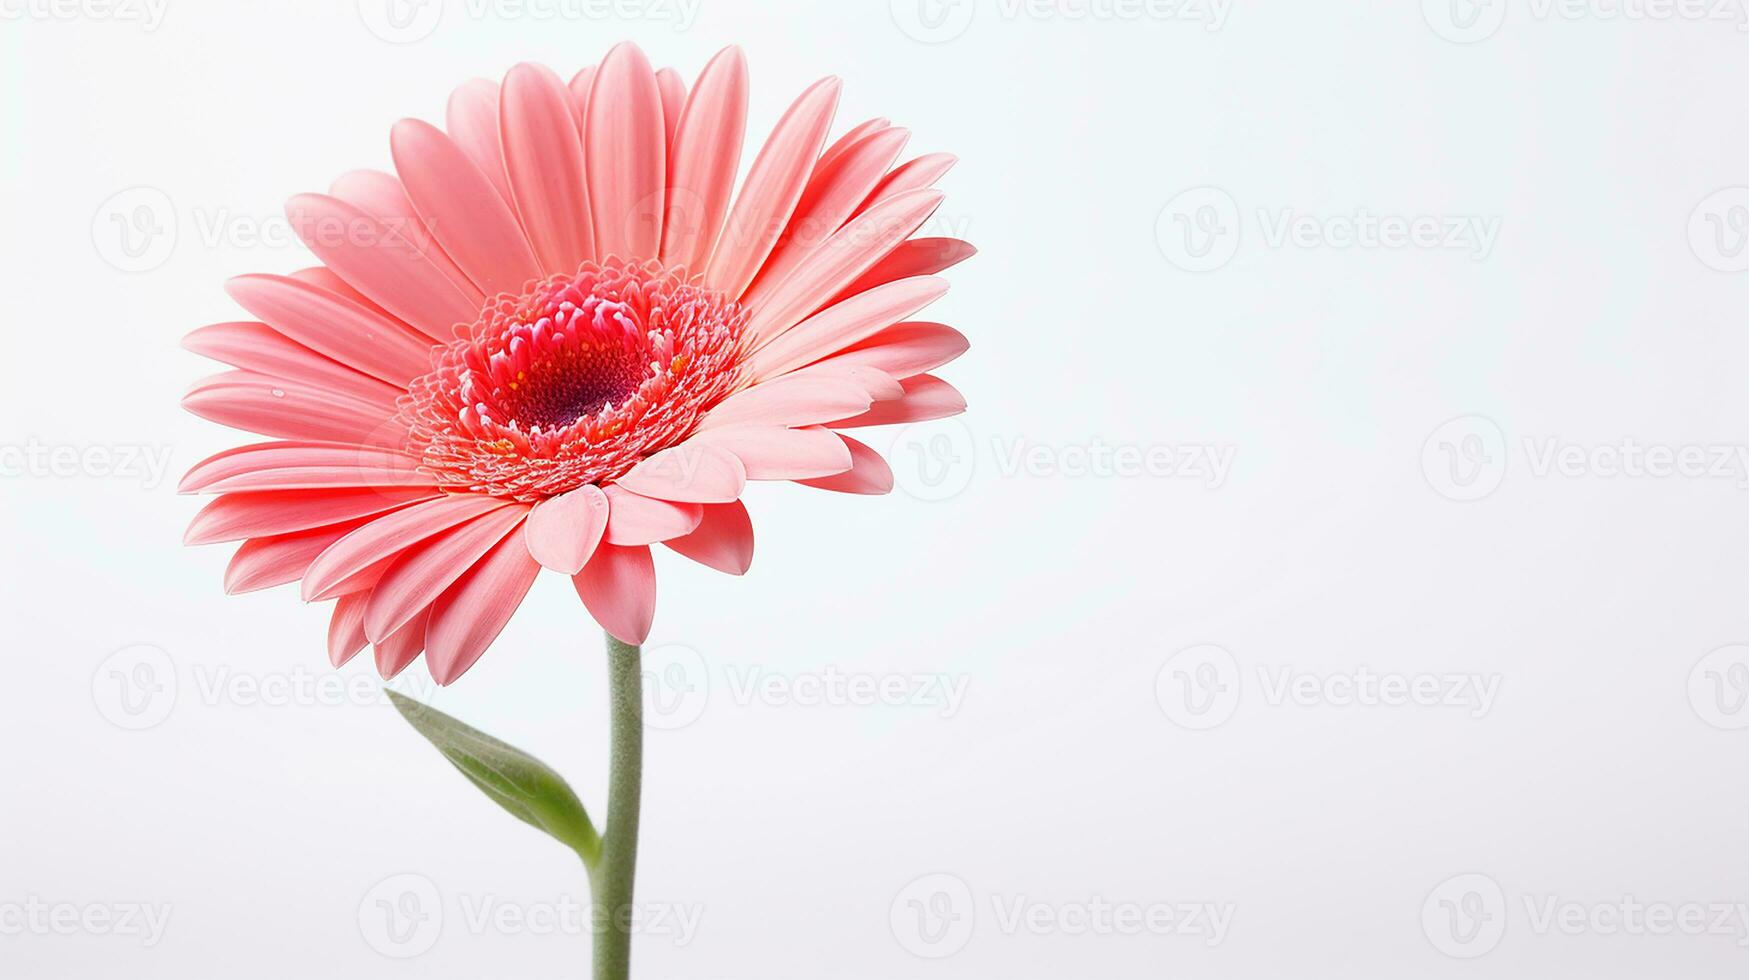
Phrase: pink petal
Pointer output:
(382, 264)
(723, 540)
(579, 89)
(868, 473)
(627, 154)
(261, 513)
(837, 327)
(832, 195)
(564, 530)
(916, 257)
(773, 186)
(385, 197)
(301, 466)
(904, 349)
(618, 587)
(909, 176)
(284, 409)
(396, 652)
(926, 397)
(259, 348)
(262, 563)
(851, 137)
(688, 473)
(673, 89)
(343, 329)
(386, 537)
(838, 261)
(706, 150)
(772, 453)
(472, 121)
(323, 277)
(470, 615)
(790, 401)
(424, 571)
(543, 157)
(346, 629)
(458, 203)
(636, 519)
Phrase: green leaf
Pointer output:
(510, 777)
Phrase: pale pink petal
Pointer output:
(389, 536)
(564, 530)
(472, 120)
(259, 348)
(916, 257)
(627, 154)
(851, 137)
(579, 89)
(926, 397)
(904, 349)
(323, 277)
(909, 176)
(773, 186)
(423, 572)
(301, 466)
(470, 615)
(384, 196)
(284, 409)
(346, 629)
(704, 155)
(790, 401)
(457, 202)
(868, 473)
(838, 261)
(396, 652)
(723, 539)
(837, 327)
(258, 514)
(636, 519)
(335, 325)
(772, 453)
(832, 195)
(688, 473)
(381, 264)
(543, 157)
(262, 563)
(618, 587)
(673, 89)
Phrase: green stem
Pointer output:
(610, 878)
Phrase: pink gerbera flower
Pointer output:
(550, 340)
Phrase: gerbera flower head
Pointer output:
(557, 336)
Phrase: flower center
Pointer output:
(573, 381)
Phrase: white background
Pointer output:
(1087, 766)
